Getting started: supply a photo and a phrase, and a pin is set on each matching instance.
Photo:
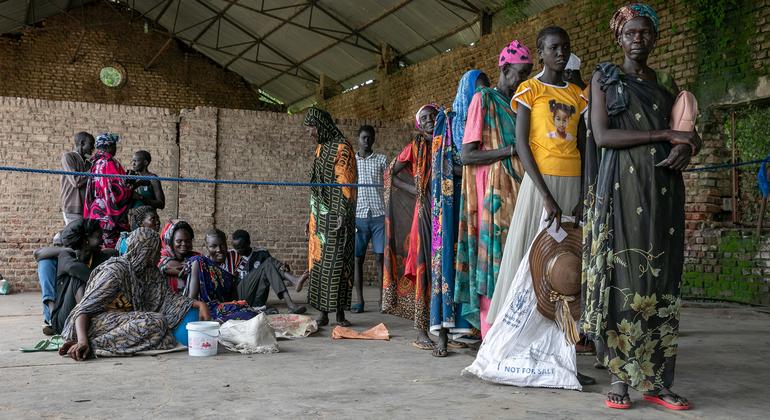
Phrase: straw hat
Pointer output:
(556, 272)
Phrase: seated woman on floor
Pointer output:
(148, 313)
(199, 277)
(177, 248)
(82, 252)
(145, 216)
(210, 282)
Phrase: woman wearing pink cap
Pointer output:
(492, 173)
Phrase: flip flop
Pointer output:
(344, 323)
(617, 406)
(423, 345)
(456, 345)
(357, 308)
(439, 352)
(655, 399)
(50, 344)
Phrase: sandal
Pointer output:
(439, 352)
(658, 399)
(357, 308)
(422, 345)
(344, 323)
(322, 322)
(619, 406)
(50, 344)
(298, 310)
(456, 345)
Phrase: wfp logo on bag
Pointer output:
(517, 312)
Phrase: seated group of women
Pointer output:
(134, 302)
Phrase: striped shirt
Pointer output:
(371, 200)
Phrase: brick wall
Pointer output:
(398, 96)
(34, 133)
(212, 143)
(60, 60)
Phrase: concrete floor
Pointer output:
(723, 368)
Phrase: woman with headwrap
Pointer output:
(634, 221)
(445, 314)
(406, 291)
(199, 277)
(176, 249)
(107, 199)
(127, 307)
(490, 184)
(331, 227)
(82, 252)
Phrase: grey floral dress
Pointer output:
(129, 305)
(633, 238)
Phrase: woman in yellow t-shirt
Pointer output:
(550, 132)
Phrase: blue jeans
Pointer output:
(46, 273)
(370, 228)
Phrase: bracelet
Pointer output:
(513, 148)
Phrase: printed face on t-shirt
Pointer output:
(561, 116)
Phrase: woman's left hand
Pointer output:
(79, 351)
(678, 158)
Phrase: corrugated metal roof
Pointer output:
(283, 46)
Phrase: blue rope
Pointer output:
(712, 168)
(191, 180)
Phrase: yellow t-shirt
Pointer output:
(556, 112)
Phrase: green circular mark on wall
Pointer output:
(113, 75)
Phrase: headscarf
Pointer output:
(630, 11)
(324, 123)
(417, 115)
(143, 247)
(465, 91)
(168, 233)
(106, 139)
(515, 53)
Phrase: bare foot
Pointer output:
(302, 279)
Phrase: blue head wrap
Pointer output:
(465, 91)
(106, 139)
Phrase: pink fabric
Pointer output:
(107, 199)
(474, 124)
(515, 53)
(473, 127)
(484, 303)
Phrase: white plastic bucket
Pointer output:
(202, 338)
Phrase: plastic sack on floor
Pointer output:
(523, 347)
(292, 326)
(378, 332)
(254, 336)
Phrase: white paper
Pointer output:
(559, 235)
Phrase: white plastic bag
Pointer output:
(524, 348)
(249, 337)
(292, 326)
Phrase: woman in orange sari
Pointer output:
(408, 230)
(332, 224)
